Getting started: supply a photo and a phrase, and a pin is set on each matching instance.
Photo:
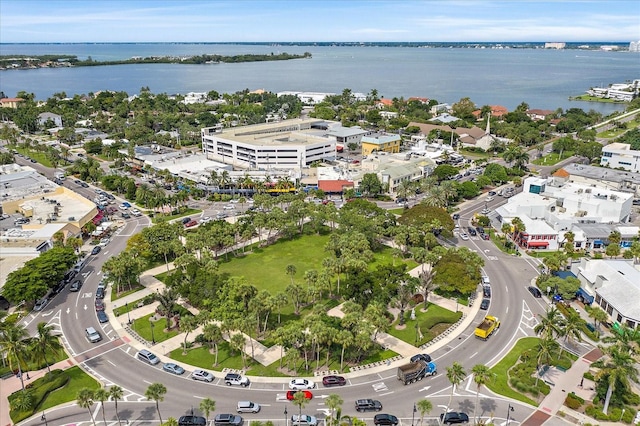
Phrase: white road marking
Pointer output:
(147, 382)
(507, 288)
(426, 388)
(68, 310)
(507, 311)
(111, 363)
(202, 397)
(474, 354)
(85, 307)
(386, 393)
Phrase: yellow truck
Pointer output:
(487, 327)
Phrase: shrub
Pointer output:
(588, 376)
(574, 396)
(595, 412)
(39, 389)
(572, 402)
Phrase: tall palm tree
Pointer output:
(481, 376)
(116, 393)
(618, 369)
(550, 325)
(156, 392)
(546, 348)
(300, 400)
(424, 406)
(213, 334)
(207, 405)
(85, 400)
(101, 395)
(334, 403)
(44, 343)
(14, 347)
(456, 375)
(572, 328)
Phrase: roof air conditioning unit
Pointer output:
(588, 190)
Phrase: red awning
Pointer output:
(538, 244)
(98, 218)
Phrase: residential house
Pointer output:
(538, 114)
(380, 143)
(45, 117)
(10, 102)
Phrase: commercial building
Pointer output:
(614, 285)
(347, 135)
(380, 143)
(393, 169)
(620, 155)
(603, 177)
(289, 144)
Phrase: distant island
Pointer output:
(61, 61)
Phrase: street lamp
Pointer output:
(286, 420)
(153, 338)
(44, 419)
(128, 315)
(509, 410)
(413, 415)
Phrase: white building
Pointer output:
(49, 116)
(393, 169)
(289, 144)
(604, 177)
(620, 155)
(614, 285)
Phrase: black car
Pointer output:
(84, 184)
(368, 405)
(456, 216)
(454, 417)
(192, 421)
(492, 193)
(126, 215)
(485, 304)
(385, 420)
(472, 231)
(421, 357)
(102, 317)
(333, 381)
(96, 250)
(100, 293)
(186, 220)
(75, 286)
(534, 291)
(486, 291)
(480, 229)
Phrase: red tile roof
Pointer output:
(562, 173)
(496, 111)
(386, 102)
(334, 185)
(7, 100)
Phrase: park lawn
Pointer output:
(52, 358)
(608, 134)
(142, 326)
(39, 156)
(305, 253)
(552, 158)
(376, 356)
(78, 380)
(182, 212)
(115, 295)
(432, 323)
(501, 383)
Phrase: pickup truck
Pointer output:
(487, 327)
(415, 371)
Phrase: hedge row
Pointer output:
(38, 390)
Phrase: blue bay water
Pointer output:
(542, 78)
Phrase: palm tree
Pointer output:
(456, 375)
(171, 421)
(334, 402)
(156, 392)
(550, 324)
(85, 400)
(207, 405)
(45, 342)
(572, 327)
(300, 400)
(213, 334)
(598, 315)
(14, 346)
(481, 376)
(237, 342)
(424, 406)
(545, 353)
(116, 393)
(291, 271)
(403, 298)
(618, 370)
(101, 395)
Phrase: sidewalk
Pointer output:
(12, 384)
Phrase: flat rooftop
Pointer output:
(294, 132)
(62, 206)
(17, 182)
(602, 173)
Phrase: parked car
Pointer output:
(123, 206)
(292, 394)
(99, 304)
(173, 368)
(464, 236)
(385, 420)
(40, 304)
(301, 384)
(333, 381)
(191, 224)
(472, 231)
(303, 420)
(100, 293)
(227, 419)
(75, 286)
(186, 220)
(192, 421)
(534, 291)
(485, 236)
(454, 417)
(236, 379)
(202, 375)
(484, 305)
(486, 291)
(492, 193)
(247, 407)
(368, 405)
(102, 317)
(148, 357)
(96, 250)
(126, 215)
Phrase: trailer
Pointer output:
(415, 371)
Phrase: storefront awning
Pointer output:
(581, 293)
(538, 243)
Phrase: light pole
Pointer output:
(509, 410)
(153, 338)
(128, 315)
(44, 419)
(286, 420)
(413, 415)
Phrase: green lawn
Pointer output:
(159, 217)
(115, 295)
(431, 323)
(501, 383)
(552, 158)
(304, 253)
(612, 133)
(52, 390)
(142, 326)
(35, 366)
(39, 156)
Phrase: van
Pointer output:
(60, 175)
(92, 335)
(148, 357)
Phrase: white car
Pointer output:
(202, 375)
(205, 219)
(464, 236)
(301, 384)
(123, 207)
(135, 212)
(104, 242)
(234, 201)
(229, 207)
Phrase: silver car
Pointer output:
(202, 375)
(247, 407)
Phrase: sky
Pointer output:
(77, 21)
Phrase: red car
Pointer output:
(307, 394)
(191, 223)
